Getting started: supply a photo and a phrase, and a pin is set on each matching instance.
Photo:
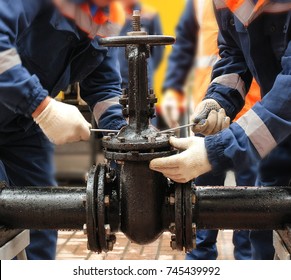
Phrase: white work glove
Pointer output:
(187, 165)
(173, 103)
(63, 123)
(209, 118)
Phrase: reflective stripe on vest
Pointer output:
(85, 22)
(206, 61)
(257, 132)
(8, 59)
(219, 4)
(233, 81)
(101, 107)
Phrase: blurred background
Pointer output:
(170, 12)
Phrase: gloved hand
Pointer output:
(187, 165)
(62, 123)
(172, 105)
(209, 118)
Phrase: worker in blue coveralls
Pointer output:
(150, 22)
(196, 41)
(44, 46)
(254, 41)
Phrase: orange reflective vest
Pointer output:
(115, 15)
(101, 24)
(247, 10)
(115, 18)
(207, 51)
(207, 55)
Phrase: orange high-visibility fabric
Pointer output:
(116, 14)
(207, 48)
(146, 12)
(252, 97)
(259, 4)
(234, 4)
(246, 10)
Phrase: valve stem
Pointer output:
(136, 26)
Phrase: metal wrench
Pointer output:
(158, 132)
(104, 130)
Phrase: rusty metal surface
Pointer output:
(138, 141)
(242, 207)
(145, 208)
(189, 228)
(142, 202)
(91, 217)
(214, 207)
(142, 191)
(179, 217)
(128, 141)
(43, 207)
(112, 206)
(119, 41)
(130, 197)
(136, 156)
(168, 211)
(101, 208)
(184, 236)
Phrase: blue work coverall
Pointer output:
(262, 136)
(41, 53)
(150, 22)
(180, 62)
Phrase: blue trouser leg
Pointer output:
(26, 159)
(206, 239)
(262, 244)
(242, 246)
(205, 246)
(241, 238)
(275, 170)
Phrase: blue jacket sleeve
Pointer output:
(101, 90)
(231, 77)
(20, 92)
(259, 131)
(182, 56)
(157, 51)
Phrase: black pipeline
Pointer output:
(43, 207)
(213, 207)
(242, 207)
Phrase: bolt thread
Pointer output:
(136, 25)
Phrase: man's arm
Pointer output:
(183, 53)
(230, 81)
(101, 90)
(180, 62)
(231, 77)
(157, 51)
(260, 130)
(248, 140)
(20, 92)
